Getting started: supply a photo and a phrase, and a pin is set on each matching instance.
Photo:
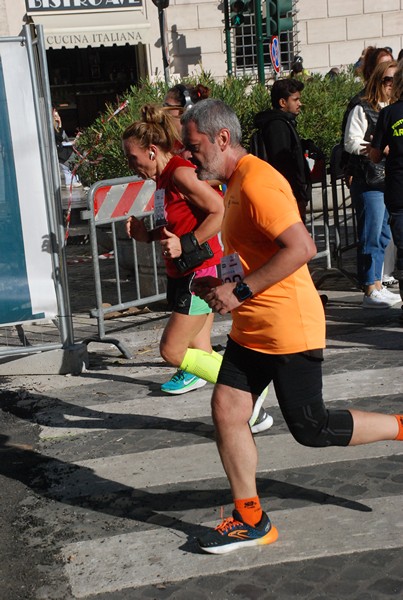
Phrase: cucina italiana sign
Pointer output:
(81, 40)
(70, 5)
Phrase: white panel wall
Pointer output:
(332, 33)
(197, 38)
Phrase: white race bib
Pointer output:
(231, 268)
(160, 217)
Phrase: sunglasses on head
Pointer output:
(387, 79)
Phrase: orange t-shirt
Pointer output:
(288, 317)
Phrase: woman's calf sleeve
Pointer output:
(202, 364)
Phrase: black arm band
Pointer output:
(193, 254)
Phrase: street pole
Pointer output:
(259, 41)
(161, 5)
(227, 29)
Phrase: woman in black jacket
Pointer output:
(388, 141)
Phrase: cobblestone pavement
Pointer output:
(116, 480)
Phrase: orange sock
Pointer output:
(399, 419)
(250, 510)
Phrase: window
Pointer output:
(244, 50)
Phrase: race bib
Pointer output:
(160, 217)
(231, 268)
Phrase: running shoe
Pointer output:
(260, 420)
(264, 421)
(232, 534)
(182, 382)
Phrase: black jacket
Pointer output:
(285, 151)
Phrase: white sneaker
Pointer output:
(389, 281)
(264, 421)
(377, 299)
(395, 298)
(260, 420)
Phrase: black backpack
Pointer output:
(256, 145)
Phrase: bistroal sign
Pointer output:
(50, 5)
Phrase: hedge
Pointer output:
(324, 102)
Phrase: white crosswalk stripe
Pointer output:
(162, 467)
(341, 386)
(134, 559)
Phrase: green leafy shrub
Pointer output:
(324, 102)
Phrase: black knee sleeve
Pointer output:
(315, 426)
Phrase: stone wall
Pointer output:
(332, 33)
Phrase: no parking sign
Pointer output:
(275, 53)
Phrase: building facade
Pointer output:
(96, 49)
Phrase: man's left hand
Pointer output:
(219, 298)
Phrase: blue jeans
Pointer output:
(373, 231)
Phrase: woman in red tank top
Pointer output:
(188, 212)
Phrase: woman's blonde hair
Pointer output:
(374, 90)
(155, 127)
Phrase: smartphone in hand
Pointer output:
(201, 285)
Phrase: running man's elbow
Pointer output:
(310, 250)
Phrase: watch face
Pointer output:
(242, 291)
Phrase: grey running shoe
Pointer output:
(232, 534)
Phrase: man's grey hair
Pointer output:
(210, 116)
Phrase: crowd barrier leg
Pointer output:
(111, 202)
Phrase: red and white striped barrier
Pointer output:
(115, 200)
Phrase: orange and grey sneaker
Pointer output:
(232, 534)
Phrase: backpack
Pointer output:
(256, 145)
(345, 157)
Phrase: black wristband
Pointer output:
(189, 242)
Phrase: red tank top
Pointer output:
(182, 216)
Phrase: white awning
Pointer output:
(102, 28)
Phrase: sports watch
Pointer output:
(242, 291)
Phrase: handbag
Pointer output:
(374, 173)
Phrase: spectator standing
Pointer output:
(64, 153)
(180, 97)
(367, 188)
(369, 59)
(278, 330)
(284, 147)
(297, 70)
(388, 140)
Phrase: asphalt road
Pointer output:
(105, 481)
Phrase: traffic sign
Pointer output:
(275, 53)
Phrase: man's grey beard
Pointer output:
(206, 175)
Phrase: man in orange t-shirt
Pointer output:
(278, 331)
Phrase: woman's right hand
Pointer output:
(136, 229)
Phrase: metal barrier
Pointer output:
(317, 218)
(110, 203)
(344, 221)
